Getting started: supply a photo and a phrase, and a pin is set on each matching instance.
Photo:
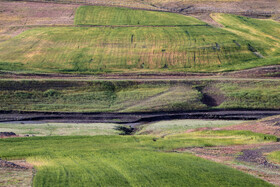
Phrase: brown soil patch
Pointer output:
(7, 134)
(15, 17)
(269, 125)
(212, 96)
(266, 71)
(201, 10)
(16, 173)
(15, 165)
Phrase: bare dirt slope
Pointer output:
(202, 9)
(15, 17)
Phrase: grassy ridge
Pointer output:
(127, 161)
(98, 15)
(134, 96)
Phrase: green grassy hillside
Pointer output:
(134, 96)
(129, 160)
(260, 32)
(243, 43)
(197, 48)
(99, 15)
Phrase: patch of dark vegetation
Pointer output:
(125, 130)
(51, 93)
(256, 156)
(7, 134)
(238, 45)
(255, 51)
(132, 36)
(6, 164)
(211, 96)
(251, 48)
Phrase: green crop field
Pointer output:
(197, 47)
(99, 15)
(129, 160)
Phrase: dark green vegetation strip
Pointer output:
(99, 15)
(240, 45)
(137, 96)
(128, 161)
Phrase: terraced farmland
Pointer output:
(131, 96)
(199, 47)
(129, 160)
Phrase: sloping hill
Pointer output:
(187, 45)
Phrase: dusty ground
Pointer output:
(16, 173)
(15, 17)
(201, 10)
(266, 126)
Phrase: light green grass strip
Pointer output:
(99, 15)
(274, 156)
